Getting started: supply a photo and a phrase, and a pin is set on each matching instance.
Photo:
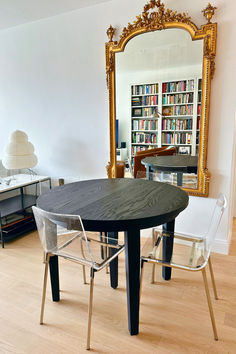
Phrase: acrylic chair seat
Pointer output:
(189, 253)
(64, 236)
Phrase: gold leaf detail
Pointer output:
(154, 20)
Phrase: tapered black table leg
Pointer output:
(113, 264)
(168, 247)
(179, 179)
(132, 260)
(102, 248)
(54, 275)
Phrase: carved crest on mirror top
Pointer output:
(155, 17)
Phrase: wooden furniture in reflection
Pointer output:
(120, 169)
(140, 155)
(173, 164)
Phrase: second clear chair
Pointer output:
(65, 236)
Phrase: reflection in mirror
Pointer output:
(158, 105)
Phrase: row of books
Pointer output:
(142, 112)
(177, 124)
(144, 89)
(197, 138)
(178, 98)
(198, 122)
(146, 138)
(144, 124)
(199, 96)
(199, 110)
(140, 148)
(184, 110)
(178, 86)
(199, 84)
(176, 138)
(144, 101)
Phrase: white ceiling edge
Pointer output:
(19, 12)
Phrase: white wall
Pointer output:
(53, 87)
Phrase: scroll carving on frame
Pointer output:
(155, 17)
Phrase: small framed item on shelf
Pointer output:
(184, 150)
(137, 112)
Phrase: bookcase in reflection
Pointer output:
(179, 125)
(177, 115)
(144, 125)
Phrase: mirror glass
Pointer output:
(158, 105)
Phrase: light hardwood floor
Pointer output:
(174, 315)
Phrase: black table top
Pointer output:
(116, 204)
(182, 163)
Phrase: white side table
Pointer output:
(18, 203)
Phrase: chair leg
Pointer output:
(141, 278)
(84, 274)
(44, 287)
(90, 307)
(153, 265)
(213, 278)
(153, 273)
(209, 303)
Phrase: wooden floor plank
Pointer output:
(174, 315)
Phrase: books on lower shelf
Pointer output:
(177, 98)
(138, 148)
(177, 124)
(176, 138)
(144, 124)
(142, 112)
(180, 110)
(146, 138)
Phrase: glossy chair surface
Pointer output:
(190, 253)
(65, 236)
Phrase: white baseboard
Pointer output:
(221, 246)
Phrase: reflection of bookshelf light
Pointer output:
(156, 113)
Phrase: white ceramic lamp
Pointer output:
(19, 152)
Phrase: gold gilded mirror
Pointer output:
(159, 95)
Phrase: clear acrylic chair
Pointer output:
(64, 236)
(189, 253)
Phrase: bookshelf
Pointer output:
(180, 104)
(144, 127)
(199, 111)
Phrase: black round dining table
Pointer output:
(171, 163)
(112, 205)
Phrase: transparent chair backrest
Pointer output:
(219, 208)
(48, 225)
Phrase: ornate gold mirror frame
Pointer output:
(155, 18)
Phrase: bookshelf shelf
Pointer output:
(146, 94)
(176, 130)
(176, 104)
(144, 117)
(148, 144)
(179, 101)
(144, 131)
(176, 92)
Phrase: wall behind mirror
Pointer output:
(161, 72)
